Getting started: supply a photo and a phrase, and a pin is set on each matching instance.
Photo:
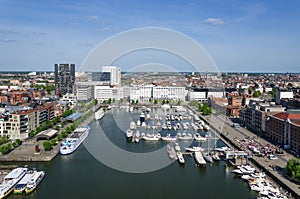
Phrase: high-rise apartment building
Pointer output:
(115, 74)
(64, 78)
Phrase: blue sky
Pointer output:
(250, 36)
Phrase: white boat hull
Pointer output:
(71, 144)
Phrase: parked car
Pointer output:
(279, 151)
(273, 157)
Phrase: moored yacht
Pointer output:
(137, 136)
(10, 180)
(206, 127)
(177, 147)
(99, 114)
(185, 136)
(171, 152)
(21, 185)
(180, 157)
(73, 142)
(208, 158)
(152, 137)
(129, 134)
(194, 149)
(34, 181)
(199, 158)
(199, 138)
(215, 156)
(132, 125)
(169, 137)
(142, 117)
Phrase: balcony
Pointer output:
(23, 116)
(24, 124)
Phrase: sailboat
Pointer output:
(215, 154)
(207, 156)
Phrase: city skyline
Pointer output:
(256, 36)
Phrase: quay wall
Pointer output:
(231, 143)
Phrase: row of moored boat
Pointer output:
(20, 180)
(201, 157)
(258, 182)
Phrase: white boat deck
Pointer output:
(15, 173)
(199, 158)
(26, 178)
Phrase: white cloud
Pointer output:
(7, 40)
(214, 21)
(106, 29)
(8, 31)
(93, 18)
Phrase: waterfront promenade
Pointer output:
(235, 136)
(26, 151)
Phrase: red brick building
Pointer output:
(37, 93)
(18, 97)
(284, 128)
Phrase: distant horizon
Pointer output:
(230, 72)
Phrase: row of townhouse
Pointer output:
(273, 122)
(254, 115)
(18, 124)
(284, 129)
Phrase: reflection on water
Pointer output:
(79, 175)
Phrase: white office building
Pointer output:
(173, 93)
(216, 93)
(107, 92)
(84, 93)
(197, 95)
(141, 93)
(115, 74)
(283, 94)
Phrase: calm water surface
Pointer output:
(80, 175)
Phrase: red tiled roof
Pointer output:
(24, 112)
(233, 107)
(284, 116)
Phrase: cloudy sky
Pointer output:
(242, 36)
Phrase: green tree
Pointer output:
(273, 92)
(72, 127)
(250, 90)
(95, 101)
(19, 142)
(64, 134)
(293, 169)
(48, 90)
(14, 144)
(256, 94)
(199, 107)
(3, 140)
(5, 149)
(47, 145)
(194, 103)
(59, 137)
(155, 101)
(53, 141)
